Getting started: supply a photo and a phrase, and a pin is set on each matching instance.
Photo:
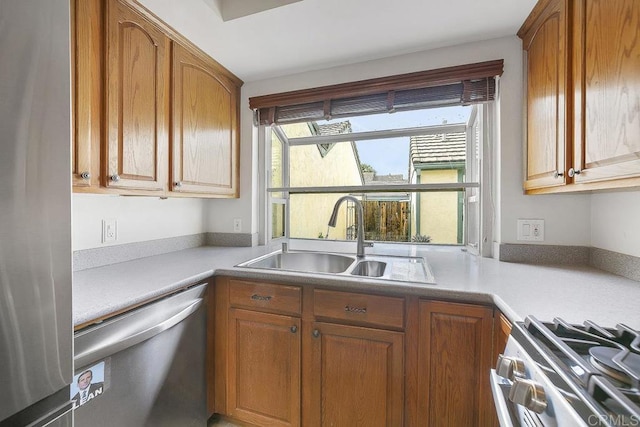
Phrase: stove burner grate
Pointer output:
(605, 362)
(603, 359)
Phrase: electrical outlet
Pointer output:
(531, 230)
(237, 225)
(109, 230)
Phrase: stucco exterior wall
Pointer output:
(438, 211)
(310, 212)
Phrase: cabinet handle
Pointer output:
(359, 310)
(573, 172)
(115, 178)
(85, 175)
(557, 174)
(177, 184)
(293, 329)
(316, 333)
(257, 297)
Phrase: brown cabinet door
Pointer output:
(264, 368)
(87, 88)
(205, 128)
(607, 89)
(501, 331)
(454, 359)
(545, 43)
(355, 376)
(137, 94)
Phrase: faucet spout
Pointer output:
(359, 218)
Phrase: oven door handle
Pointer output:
(500, 388)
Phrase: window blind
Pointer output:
(459, 85)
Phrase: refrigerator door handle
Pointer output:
(142, 333)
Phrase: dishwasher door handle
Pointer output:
(108, 347)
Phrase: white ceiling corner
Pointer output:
(316, 34)
(234, 9)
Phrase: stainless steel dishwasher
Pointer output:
(145, 367)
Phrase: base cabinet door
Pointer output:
(501, 331)
(264, 368)
(454, 359)
(355, 376)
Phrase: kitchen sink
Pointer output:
(312, 262)
(369, 268)
(384, 267)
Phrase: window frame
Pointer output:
(484, 184)
(267, 205)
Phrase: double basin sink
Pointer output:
(386, 267)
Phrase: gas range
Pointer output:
(559, 374)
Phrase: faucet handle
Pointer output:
(367, 244)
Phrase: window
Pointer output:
(421, 173)
(419, 179)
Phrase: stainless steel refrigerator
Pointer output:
(35, 213)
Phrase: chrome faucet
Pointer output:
(359, 218)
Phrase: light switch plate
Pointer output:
(531, 230)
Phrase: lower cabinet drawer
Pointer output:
(359, 308)
(265, 297)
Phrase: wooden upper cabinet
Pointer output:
(205, 127)
(607, 89)
(544, 38)
(125, 92)
(454, 359)
(355, 376)
(583, 95)
(137, 96)
(86, 71)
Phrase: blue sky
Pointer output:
(391, 156)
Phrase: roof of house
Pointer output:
(334, 128)
(438, 148)
(371, 178)
(337, 129)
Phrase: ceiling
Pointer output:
(316, 34)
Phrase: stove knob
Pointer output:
(528, 394)
(510, 367)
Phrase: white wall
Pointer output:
(139, 218)
(615, 222)
(605, 220)
(567, 218)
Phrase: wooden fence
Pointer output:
(386, 221)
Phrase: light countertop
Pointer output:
(574, 293)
